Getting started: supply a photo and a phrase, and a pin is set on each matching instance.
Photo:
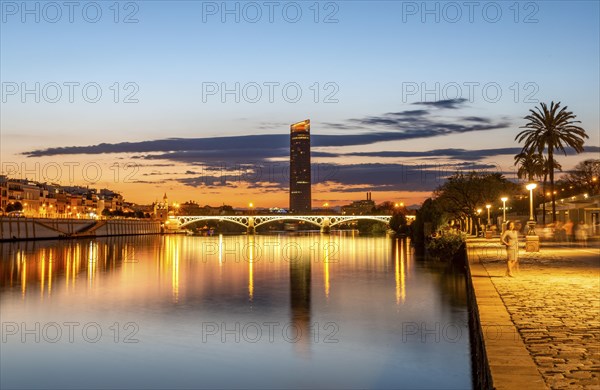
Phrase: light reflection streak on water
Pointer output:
(250, 267)
(175, 271)
(326, 265)
(362, 287)
(42, 273)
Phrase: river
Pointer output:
(263, 311)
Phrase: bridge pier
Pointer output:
(250, 228)
(325, 226)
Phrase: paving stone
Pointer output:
(555, 306)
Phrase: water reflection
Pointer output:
(368, 287)
(300, 298)
(399, 247)
(251, 260)
(39, 266)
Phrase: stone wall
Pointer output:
(482, 377)
(47, 228)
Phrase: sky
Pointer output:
(195, 98)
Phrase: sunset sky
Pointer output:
(364, 73)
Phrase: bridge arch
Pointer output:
(258, 221)
(185, 221)
(337, 221)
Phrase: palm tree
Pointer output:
(546, 172)
(549, 130)
(531, 165)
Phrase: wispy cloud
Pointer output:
(392, 126)
(452, 104)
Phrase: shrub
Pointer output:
(445, 246)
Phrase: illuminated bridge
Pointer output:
(251, 222)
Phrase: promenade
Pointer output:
(541, 329)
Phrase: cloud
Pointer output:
(454, 154)
(409, 113)
(392, 126)
(451, 104)
(348, 178)
(235, 161)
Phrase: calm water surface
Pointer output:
(311, 311)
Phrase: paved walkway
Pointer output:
(554, 304)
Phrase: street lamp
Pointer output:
(478, 221)
(503, 199)
(531, 187)
(488, 206)
(531, 223)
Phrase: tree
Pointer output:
(16, 206)
(585, 177)
(430, 214)
(462, 194)
(386, 207)
(531, 165)
(551, 129)
(398, 223)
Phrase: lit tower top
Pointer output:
(301, 126)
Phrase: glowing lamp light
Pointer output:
(531, 187)
(503, 199)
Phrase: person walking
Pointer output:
(510, 239)
(582, 233)
(568, 226)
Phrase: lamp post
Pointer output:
(504, 199)
(478, 221)
(531, 187)
(533, 242)
(488, 206)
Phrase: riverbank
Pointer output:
(540, 329)
(16, 229)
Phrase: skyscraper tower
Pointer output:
(300, 196)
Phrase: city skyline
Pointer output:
(395, 114)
